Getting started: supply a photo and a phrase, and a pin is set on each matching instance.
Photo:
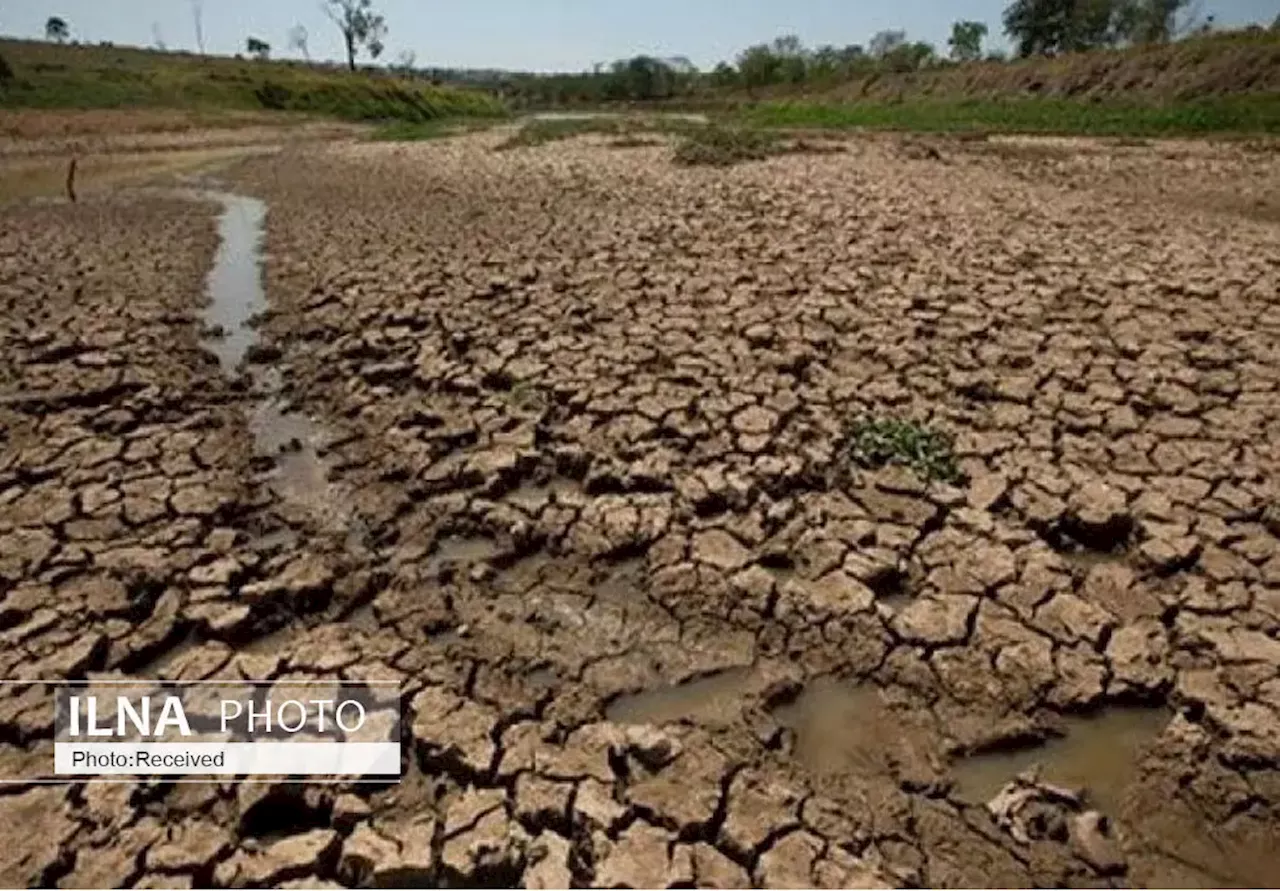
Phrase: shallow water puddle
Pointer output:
(716, 697)
(235, 281)
(1100, 753)
(236, 296)
(841, 727)
(455, 550)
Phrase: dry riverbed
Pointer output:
(555, 437)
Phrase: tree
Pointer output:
(56, 29)
(793, 59)
(405, 61)
(724, 75)
(6, 73)
(157, 38)
(885, 42)
(758, 66)
(966, 40)
(298, 40)
(259, 48)
(360, 27)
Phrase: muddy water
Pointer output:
(716, 698)
(235, 281)
(458, 551)
(236, 295)
(1099, 753)
(841, 727)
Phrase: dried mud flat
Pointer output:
(561, 436)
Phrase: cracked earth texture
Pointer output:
(583, 415)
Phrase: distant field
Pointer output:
(49, 76)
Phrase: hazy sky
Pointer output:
(537, 35)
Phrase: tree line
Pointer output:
(1034, 27)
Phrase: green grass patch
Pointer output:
(1239, 114)
(876, 442)
(419, 131)
(92, 77)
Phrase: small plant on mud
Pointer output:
(722, 147)
(875, 442)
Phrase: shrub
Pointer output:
(721, 147)
(6, 73)
(875, 442)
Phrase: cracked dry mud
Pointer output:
(582, 413)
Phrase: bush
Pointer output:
(6, 73)
(721, 147)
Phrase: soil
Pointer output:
(569, 427)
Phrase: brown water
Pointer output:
(712, 699)
(842, 727)
(1100, 753)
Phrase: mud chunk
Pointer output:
(1069, 619)
(540, 802)
(34, 825)
(638, 859)
(289, 858)
(493, 850)
(548, 862)
(453, 731)
(1093, 843)
(755, 420)
(702, 866)
(687, 793)
(718, 548)
(594, 805)
(937, 620)
(1099, 515)
(790, 861)
(392, 855)
(652, 747)
(840, 869)
(189, 846)
(1138, 655)
(759, 806)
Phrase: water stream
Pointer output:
(236, 297)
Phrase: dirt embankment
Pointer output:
(585, 410)
(1202, 68)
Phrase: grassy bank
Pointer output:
(1245, 114)
(94, 77)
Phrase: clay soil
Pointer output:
(584, 415)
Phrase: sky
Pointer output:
(537, 35)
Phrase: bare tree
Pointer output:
(197, 16)
(360, 26)
(298, 40)
(157, 39)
